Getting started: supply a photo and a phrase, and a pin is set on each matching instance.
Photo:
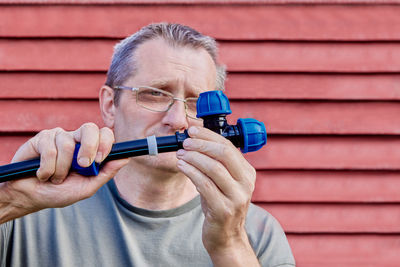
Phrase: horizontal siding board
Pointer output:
(328, 153)
(192, 2)
(229, 22)
(346, 250)
(313, 86)
(31, 116)
(322, 117)
(56, 55)
(311, 57)
(94, 55)
(325, 153)
(43, 85)
(334, 218)
(289, 86)
(311, 117)
(327, 186)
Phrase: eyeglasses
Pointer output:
(158, 100)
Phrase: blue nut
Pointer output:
(212, 103)
(254, 134)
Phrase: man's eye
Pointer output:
(149, 92)
(155, 93)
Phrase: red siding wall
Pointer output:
(323, 77)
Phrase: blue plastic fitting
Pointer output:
(254, 134)
(92, 170)
(213, 103)
(213, 106)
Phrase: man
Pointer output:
(189, 208)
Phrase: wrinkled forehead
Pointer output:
(159, 63)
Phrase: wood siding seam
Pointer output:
(203, 2)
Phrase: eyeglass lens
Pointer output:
(158, 100)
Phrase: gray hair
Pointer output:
(123, 62)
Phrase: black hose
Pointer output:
(121, 150)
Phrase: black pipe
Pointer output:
(121, 150)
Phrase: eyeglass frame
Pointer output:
(136, 89)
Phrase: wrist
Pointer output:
(236, 251)
(6, 207)
(9, 209)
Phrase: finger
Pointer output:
(88, 136)
(65, 150)
(27, 151)
(212, 169)
(47, 149)
(227, 154)
(204, 185)
(219, 206)
(105, 144)
(207, 134)
(224, 150)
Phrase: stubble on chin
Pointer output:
(165, 162)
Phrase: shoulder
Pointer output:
(261, 220)
(268, 238)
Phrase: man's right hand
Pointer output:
(54, 186)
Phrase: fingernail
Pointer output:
(84, 162)
(180, 152)
(99, 157)
(193, 130)
(187, 143)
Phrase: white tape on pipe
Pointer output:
(152, 145)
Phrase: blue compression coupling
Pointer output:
(249, 134)
(254, 134)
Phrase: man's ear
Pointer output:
(107, 107)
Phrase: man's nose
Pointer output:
(176, 117)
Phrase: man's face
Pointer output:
(183, 71)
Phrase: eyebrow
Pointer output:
(158, 83)
(162, 84)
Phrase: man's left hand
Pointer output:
(225, 181)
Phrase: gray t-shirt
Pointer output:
(105, 230)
